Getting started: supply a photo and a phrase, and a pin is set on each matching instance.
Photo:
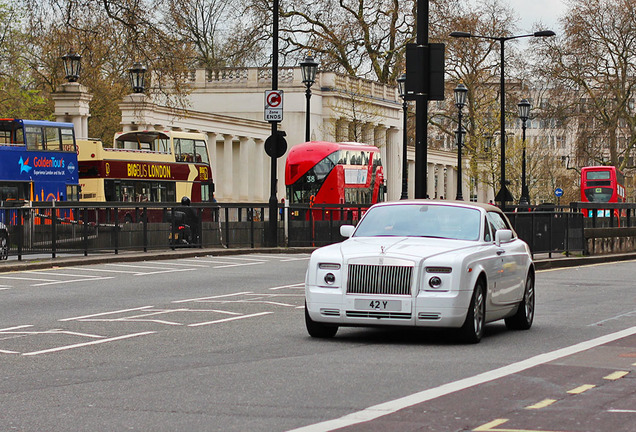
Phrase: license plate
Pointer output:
(378, 305)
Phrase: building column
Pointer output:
(440, 182)
(253, 181)
(368, 134)
(451, 185)
(430, 181)
(228, 168)
(245, 174)
(212, 154)
(381, 140)
(261, 184)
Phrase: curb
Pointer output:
(139, 256)
(540, 264)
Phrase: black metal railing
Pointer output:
(58, 228)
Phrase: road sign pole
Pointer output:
(272, 227)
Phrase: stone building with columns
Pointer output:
(228, 106)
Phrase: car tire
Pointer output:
(523, 318)
(473, 328)
(4, 247)
(319, 330)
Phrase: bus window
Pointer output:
(52, 137)
(201, 152)
(72, 192)
(184, 150)
(162, 145)
(33, 138)
(68, 142)
(5, 137)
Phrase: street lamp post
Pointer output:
(405, 175)
(137, 77)
(460, 100)
(524, 114)
(504, 194)
(308, 68)
(72, 66)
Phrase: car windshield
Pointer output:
(421, 220)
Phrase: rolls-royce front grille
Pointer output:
(377, 279)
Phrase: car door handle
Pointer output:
(500, 252)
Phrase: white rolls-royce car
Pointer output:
(422, 263)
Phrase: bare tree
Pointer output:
(595, 61)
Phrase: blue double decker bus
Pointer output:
(38, 161)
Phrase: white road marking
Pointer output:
(27, 279)
(393, 406)
(163, 271)
(212, 297)
(60, 274)
(229, 319)
(105, 313)
(72, 333)
(208, 262)
(250, 258)
(140, 267)
(298, 285)
(92, 278)
(179, 264)
(8, 329)
(79, 345)
(103, 270)
(612, 318)
(239, 265)
(8, 352)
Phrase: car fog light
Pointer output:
(435, 282)
(330, 278)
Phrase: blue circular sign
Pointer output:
(558, 192)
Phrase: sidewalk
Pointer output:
(542, 261)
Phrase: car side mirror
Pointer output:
(502, 236)
(347, 230)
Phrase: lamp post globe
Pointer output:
(405, 175)
(524, 113)
(137, 75)
(460, 100)
(308, 67)
(72, 66)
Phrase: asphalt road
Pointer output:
(219, 344)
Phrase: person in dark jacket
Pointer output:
(191, 219)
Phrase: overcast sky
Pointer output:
(531, 11)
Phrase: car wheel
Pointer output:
(4, 247)
(522, 319)
(473, 328)
(319, 330)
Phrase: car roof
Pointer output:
(453, 203)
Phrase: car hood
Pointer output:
(412, 248)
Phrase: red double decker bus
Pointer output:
(602, 184)
(319, 172)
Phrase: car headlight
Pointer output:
(437, 276)
(328, 275)
(435, 282)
